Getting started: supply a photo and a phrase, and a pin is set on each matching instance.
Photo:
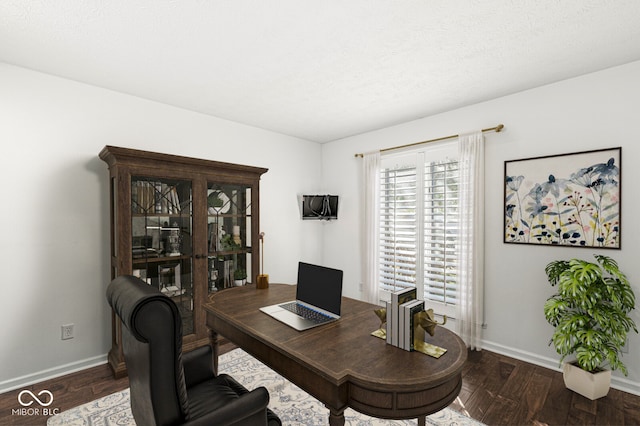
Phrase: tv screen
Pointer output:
(319, 207)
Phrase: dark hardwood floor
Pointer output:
(497, 390)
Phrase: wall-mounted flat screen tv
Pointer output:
(319, 207)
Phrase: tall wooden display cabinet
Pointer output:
(187, 226)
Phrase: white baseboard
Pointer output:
(51, 373)
(619, 383)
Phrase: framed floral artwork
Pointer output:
(564, 200)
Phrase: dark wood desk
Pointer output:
(340, 363)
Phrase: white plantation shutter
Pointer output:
(398, 228)
(419, 225)
(441, 231)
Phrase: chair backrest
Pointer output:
(152, 346)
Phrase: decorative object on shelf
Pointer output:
(213, 275)
(228, 273)
(218, 203)
(169, 279)
(564, 200)
(590, 313)
(239, 277)
(263, 279)
(154, 197)
(236, 235)
(227, 243)
(215, 233)
(174, 240)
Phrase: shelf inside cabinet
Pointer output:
(230, 252)
(159, 259)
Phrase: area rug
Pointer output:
(294, 406)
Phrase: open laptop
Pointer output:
(318, 298)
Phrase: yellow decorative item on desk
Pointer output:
(423, 321)
(426, 320)
(263, 279)
(382, 331)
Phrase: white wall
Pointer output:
(55, 204)
(599, 110)
(54, 242)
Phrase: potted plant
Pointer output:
(590, 316)
(240, 277)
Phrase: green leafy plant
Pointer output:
(227, 243)
(590, 311)
(240, 274)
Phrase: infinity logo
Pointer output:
(35, 398)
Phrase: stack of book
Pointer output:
(401, 312)
(154, 197)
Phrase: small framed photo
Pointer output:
(169, 279)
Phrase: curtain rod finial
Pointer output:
(499, 128)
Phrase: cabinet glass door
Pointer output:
(229, 235)
(161, 225)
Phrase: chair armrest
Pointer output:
(250, 409)
(198, 365)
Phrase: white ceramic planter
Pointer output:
(589, 385)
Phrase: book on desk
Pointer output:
(401, 311)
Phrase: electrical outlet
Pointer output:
(67, 331)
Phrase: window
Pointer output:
(419, 225)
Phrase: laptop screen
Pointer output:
(320, 286)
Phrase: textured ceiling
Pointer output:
(324, 69)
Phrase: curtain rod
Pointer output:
(496, 129)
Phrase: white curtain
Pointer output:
(370, 231)
(471, 244)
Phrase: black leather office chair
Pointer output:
(168, 387)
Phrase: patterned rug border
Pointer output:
(294, 406)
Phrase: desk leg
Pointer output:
(213, 339)
(422, 421)
(336, 419)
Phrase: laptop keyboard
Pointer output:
(305, 312)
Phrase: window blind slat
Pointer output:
(400, 216)
(441, 231)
